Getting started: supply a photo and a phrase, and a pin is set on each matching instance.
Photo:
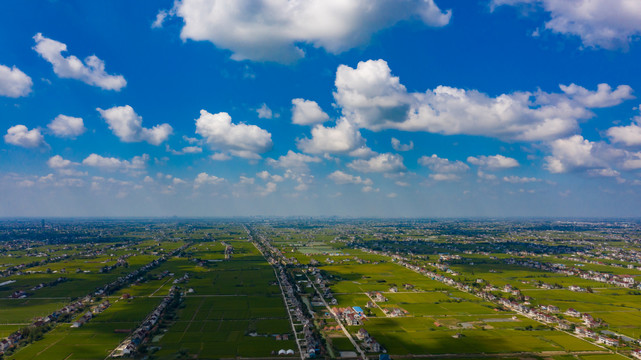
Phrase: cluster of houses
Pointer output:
(545, 314)
(90, 314)
(370, 343)
(377, 296)
(625, 281)
(139, 335)
(52, 283)
(394, 312)
(352, 316)
(322, 285)
(13, 339)
(135, 275)
(76, 306)
(183, 279)
(601, 339)
(310, 345)
(229, 250)
(9, 342)
(18, 294)
(120, 262)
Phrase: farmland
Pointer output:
(320, 289)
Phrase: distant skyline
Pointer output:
(412, 108)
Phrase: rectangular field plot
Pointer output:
(404, 336)
(220, 326)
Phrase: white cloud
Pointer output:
(607, 172)
(160, 18)
(441, 165)
(112, 163)
(444, 177)
(609, 24)
(192, 150)
(92, 71)
(396, 144)
(20, 135)
(382, 163)
(493, 162)
(341, 139)
(241, 140)
(58, 162)
(340, 177)
(307, 112)
(520, 180)
(272, 30)
(371, 97)
(485, 176)
(632, 161)
(628, 135)
(127, 126)
(294, 161)
(205, 179)
(67, 126)
(264, 112)
(577, 153)
(186, 150)
(265, 175)
(220, 157)
(362, 152)
(269, 188)
(13, 82)
(603, 97)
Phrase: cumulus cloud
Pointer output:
(577, 153)
(268, 30)
(127, 126)
(241, 140)
(520, 180)
(493, 162)
(608, 24)
(265, 175)
(340, 178)
(444, 177)
(603, 97)
(64, 167)
(629, 135)
(307, 112)
(269, 188)
(185, 150)
(396, 144)
(13, 82)
(220, 157)
(371, 97)
(67, 126)
(442, 165)
(58, 162)
(112, 163)
(264, 112)
(91, 71)
(340, 139)
(205, 179)
(382, 163)
(294, 161)
(20, 135)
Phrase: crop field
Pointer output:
(236, 309)
(250, 290)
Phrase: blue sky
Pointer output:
(350, 108)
